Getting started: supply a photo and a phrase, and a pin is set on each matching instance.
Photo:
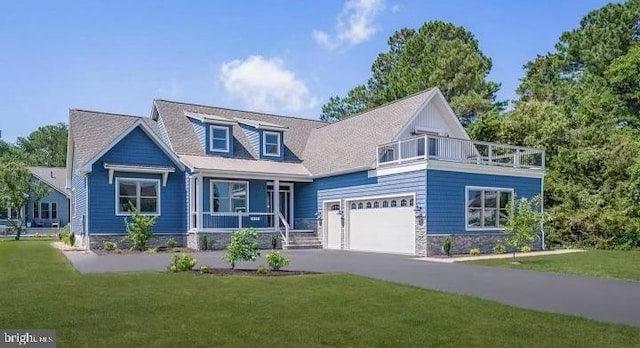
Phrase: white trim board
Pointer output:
(482, 208)
(138, 195)
(264, 144)
(213, 181)
(227, 132)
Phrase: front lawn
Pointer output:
(597, 263)
(153, 309)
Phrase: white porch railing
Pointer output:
(285, 236)
(439, 148)
(232, 221)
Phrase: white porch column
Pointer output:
(199, 198)
(276, 203)
(192, 202)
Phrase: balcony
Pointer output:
(439, 148)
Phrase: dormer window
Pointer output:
(219, 139)
(271, 143)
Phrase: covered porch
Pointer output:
(222, 201)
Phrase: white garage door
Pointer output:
(333, 226)
(382, 225)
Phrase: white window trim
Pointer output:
(137, 180)
(74, 202)
(9, 211)
(211, 182)
(466, 206)
(264, 143)
(49, 209)
(226, 132)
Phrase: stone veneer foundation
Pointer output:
(462, 243)
(220, 240)
(156, 240)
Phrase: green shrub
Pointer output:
(63, 234)
(151, 251)
(181, 263)
(204, 269)
(276, 260)
(448, 243)
(243, 246)
(525, 249)
(72, 239)
(499, 249)
(474, 251)
(204, 242)
(107, 245)
(261, 270)
(118, 251)
(37, 235)
(138, 228)
(172, 243)
(175, 250)
(274, 241)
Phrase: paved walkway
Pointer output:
(597, 298)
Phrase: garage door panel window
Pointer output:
(487, 208)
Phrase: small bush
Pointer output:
(204, 269)
(175, 250)
(243, 246)
(204, 242)
(261, 270)
(274, 241)
(118, 251)
(474, 251)
(107, 245)
(276, 260)
(499, 249)
(63, 235)
(37, 236)
(151, 251)
(181, 263)
(72, 239)
(525, 249)
(448, 243)
(138, 228)
(172, 243)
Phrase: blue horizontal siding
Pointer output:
(309, 196)
(446, 204)
(53, 196)
(253, 136)
(135, 149)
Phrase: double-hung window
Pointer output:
(219, 138)
(8, 213)
(140, 194)
(45, 210)
(229, 196)
(271, 144)
(487, 207)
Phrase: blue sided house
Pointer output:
(50, 211)
(396, 179)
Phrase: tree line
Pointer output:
(580, 102)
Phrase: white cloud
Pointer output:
(395, 8)
(356, 23)
(265, 84)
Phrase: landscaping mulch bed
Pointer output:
(250, 272)
(136, 251)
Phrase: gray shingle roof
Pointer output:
(185, 142)
(52, 176)
(351, 143)
(92, 131)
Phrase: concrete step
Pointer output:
(304, 246)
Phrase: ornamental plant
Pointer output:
(138, 228)
(243, 246)
(276, 260)
(524, 221)
(474, 251)
(181, 263)
(448, 243)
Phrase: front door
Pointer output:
(286, 201)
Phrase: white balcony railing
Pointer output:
(438, 148)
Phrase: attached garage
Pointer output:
(381, 225)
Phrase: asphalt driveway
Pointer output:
(596, 298)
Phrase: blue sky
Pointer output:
(277, 56)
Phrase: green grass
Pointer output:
(153, 309)
(597, 263)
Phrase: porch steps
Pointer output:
(304, 240)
